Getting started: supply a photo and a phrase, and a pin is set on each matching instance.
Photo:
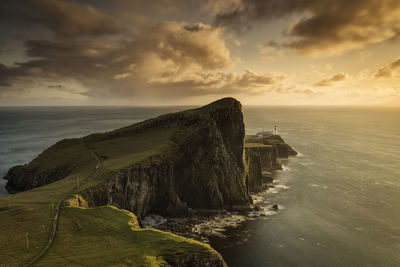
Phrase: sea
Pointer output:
(339, 199)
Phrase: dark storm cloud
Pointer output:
(67, 19)
(168, 58)
(195, 28)
(388, 70)
(7, 75)
(335, 25)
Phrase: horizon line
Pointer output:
(199, 105)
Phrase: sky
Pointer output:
(190, 52)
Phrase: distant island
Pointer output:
(83, 200)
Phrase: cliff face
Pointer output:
(144, 188)
(262, 153)
(202, 167)
(203, 170)
(253, 170)
(21, 179)
(170, 165)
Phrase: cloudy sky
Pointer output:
(169, 52)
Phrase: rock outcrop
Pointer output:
(204, 167)
(201, 169)
(262, 154)
(197, 260)
(283, 149)
(173, 165)
(22, 179)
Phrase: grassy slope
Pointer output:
(108, 236)
(31, 211)
(87, 236)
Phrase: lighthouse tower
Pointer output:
(275, 132)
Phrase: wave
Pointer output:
(285, 168)
(282, 186)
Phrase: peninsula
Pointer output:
(82, 200)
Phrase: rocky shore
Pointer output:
(263, 154)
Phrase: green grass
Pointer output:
(252, 139)
(107, 236)
(126, 150)
(122, 152)
(17, 220)
(71, 154)
(256, 145)
(92, 236)
(29, 212)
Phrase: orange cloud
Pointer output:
(331, 80)
(388, 70)
(324, 27)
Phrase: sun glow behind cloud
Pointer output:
(262, 52)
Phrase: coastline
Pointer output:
(308, 178)
(206, 225)
(204, 174)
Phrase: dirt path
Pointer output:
(57, 213)
(97, 158)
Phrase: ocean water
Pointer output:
(342, 202)
(340, 197)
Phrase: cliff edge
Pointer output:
(199, 165)
(172, 165)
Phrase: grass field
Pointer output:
(28, 212)
(107, 236)
(91, 236)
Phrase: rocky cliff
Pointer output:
(201, 164)
(283, 149)
(173, 165)
(254, 181)
(262, 154)
(201, 167)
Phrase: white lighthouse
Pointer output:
(275, 132)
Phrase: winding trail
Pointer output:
(97, 158)
(57, 213)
